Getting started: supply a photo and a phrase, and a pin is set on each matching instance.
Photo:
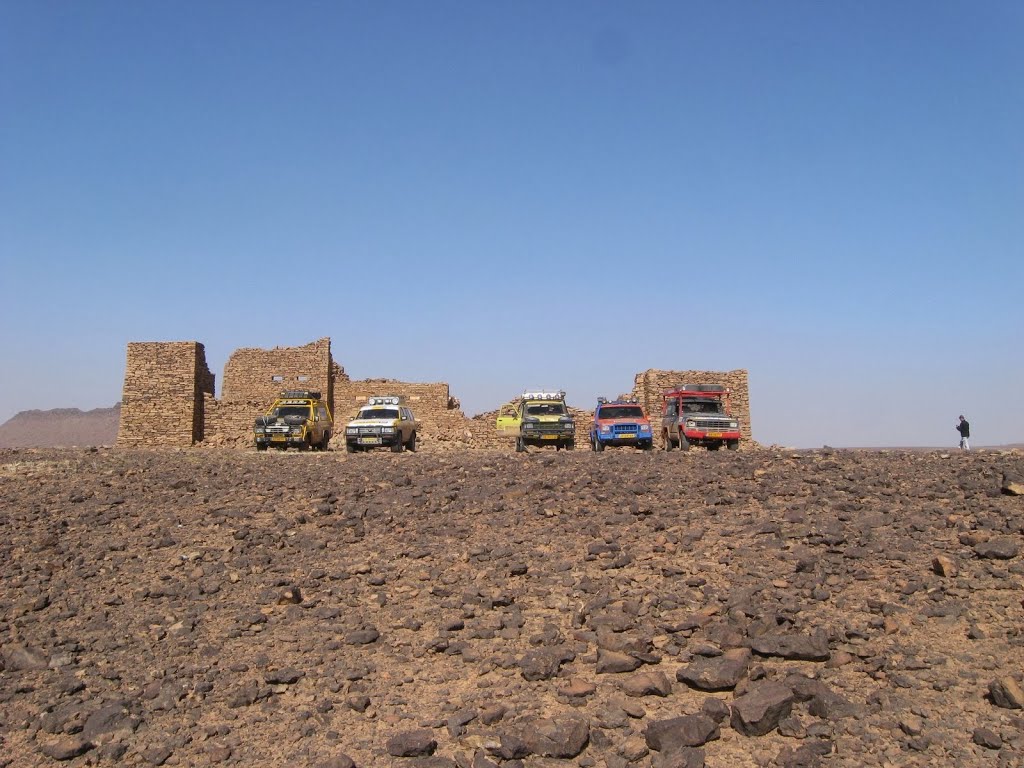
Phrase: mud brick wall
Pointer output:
(432, 404)
(649, 385)
(162, 403)
(259, 375)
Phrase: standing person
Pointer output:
(964, 428)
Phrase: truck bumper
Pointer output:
(711, 438)
(373, 441)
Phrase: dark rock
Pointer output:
(986, 738)
(1006, 692)
(792, 646)
(678, 732)
(544, 663)
(66, 748)
(997, 548)
(338, 761)
(512, 746)
(759, 711)
(716, 709)
(362, 636)
(284, 676)
(156, 754)
(108, 719)
(18, 658)
(614, 662)
(653, 683)
(557, 737)
(686, 757)
(412, 744)
(720, 673)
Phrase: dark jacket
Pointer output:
(964, 428)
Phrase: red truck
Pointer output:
(698, 414)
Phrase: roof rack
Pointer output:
(300, 394)
(384, 400)
(618, 401)
(544, 394)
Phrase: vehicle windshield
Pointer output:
(291, 410)
(378, 413)
(545, 409)
(702, 406)
(621, 412)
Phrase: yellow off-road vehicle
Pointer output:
(539, 418)
(297, 418)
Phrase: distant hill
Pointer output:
(61, 427)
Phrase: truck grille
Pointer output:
(713, 425)
(278, 429)
(369, 430)
(619, 429)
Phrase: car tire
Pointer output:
(398, 446)
(733, 445)
(261, 447)
(326, 441)
(571, 445)
(668, 441)
(520, 445)
(684, 444)
(411, 445)
(349, 448)
(598, 445)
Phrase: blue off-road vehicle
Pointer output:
(620, 422)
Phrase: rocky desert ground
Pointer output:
(481, 608)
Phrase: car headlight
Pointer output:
(388, 430)
(568, 425)
(296, 430)
(260, 430)
(606, 428)
(528, 425)
(734, 424)
(691, 424)
(645, 427)
(351, 430)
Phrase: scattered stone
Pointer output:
(986, 738)
(412, 744)
(945, 566)
(647, 684)
(66, 748)
(720, 673)
(614, 662)
(562, 738)
(792, 646)
(997, 548)
(678, 732)
(759, 711)
(1006, 692)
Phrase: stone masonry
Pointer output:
(162, 403)
(169, 396)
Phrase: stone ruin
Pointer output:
(169, 400)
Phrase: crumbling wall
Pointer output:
(162, 402)
(259, 375)
(649, 385)
(253, 377)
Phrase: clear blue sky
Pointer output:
(503, 195)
